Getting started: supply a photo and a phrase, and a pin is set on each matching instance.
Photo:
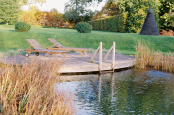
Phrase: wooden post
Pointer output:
(100, 58)
(113, 56)
(99, 49)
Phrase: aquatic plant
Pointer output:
(30, 89)
(157, 60)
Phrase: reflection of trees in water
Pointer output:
(132, 93)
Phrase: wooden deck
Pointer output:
(75, 63)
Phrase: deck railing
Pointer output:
(99, 49)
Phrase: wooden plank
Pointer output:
(95, 53)
(108, 53)
(57, 44)
(34, 44)
(71, 49)
(93, 67)
(75, 63)
(46, 51)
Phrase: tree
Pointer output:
(167, 7)
(137, 11)
(72, 16)
(76, 11)
(33, 8)
(25, 2)
(54, 10)
(110, 9)
(9, 11)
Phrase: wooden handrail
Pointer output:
(99, 49)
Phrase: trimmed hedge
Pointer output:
(115, 23)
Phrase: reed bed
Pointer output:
(156, 60)
(30, 90)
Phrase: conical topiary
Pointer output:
(150, 26)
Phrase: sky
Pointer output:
(59, 5)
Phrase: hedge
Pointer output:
(115, 23)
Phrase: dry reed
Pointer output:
(147, 58)
(30, 90)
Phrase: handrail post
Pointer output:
(113, 56)
(100, 58)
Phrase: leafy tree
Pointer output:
(25, 2)
(137, 11)
(9, 11)
(54, 10)
(72, 16)
(76, 10)
(110, 9)
(167, 7)
(33, 8)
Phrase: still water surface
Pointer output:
(129, 92)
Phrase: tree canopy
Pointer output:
(25, 2)
(136, 11)
(33, 8)
(166, 17)
(9, 11)
(110, 9)
(54, 10)
(76, 11)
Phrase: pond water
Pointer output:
(129, 92)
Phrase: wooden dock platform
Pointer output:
(75, 63)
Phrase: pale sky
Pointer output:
(59, 5)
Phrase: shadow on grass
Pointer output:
(49, 27)
(13, 31)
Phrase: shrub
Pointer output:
(83, 27)
(167, 33)
(22, 27)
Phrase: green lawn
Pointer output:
(125, 42)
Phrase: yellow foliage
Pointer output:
(52, 19)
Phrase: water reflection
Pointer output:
(127, 92)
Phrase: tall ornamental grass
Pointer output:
(147, 58)
(30, 90)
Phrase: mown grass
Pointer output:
(125, 42)
(30, 90)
